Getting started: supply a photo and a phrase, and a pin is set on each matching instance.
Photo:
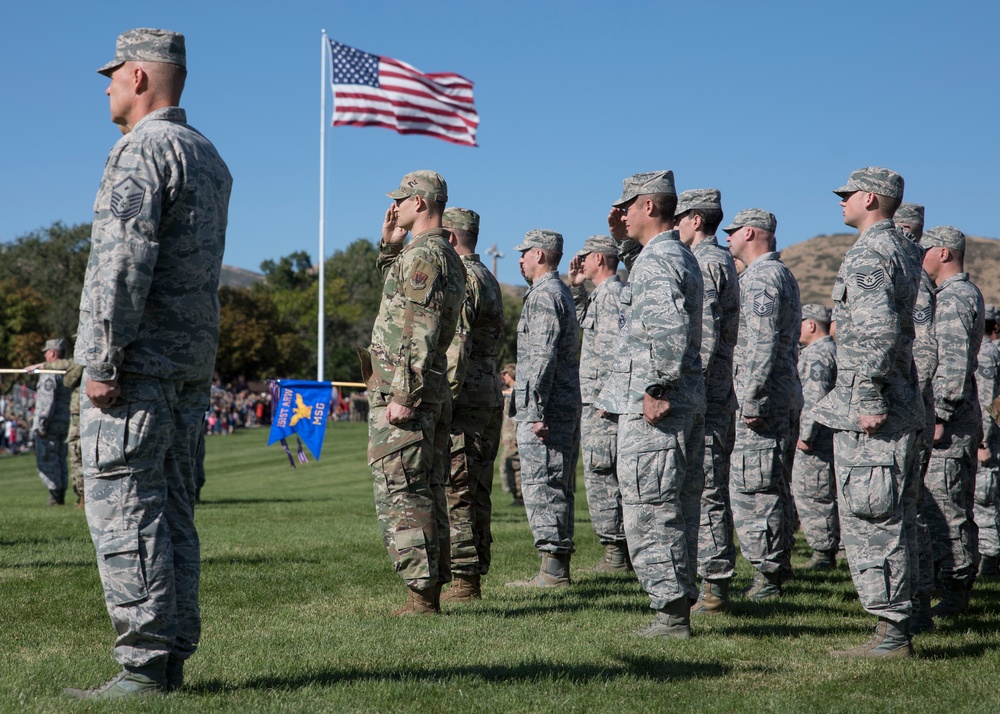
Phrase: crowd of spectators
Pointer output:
(237, 405)
(16, 410)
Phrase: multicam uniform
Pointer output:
(874, 296)
(547, 389)
(149, 317)
(951, 473)
(986, 505)
(766, 380)
(418, 316)
(598, 317)
(660, 467)
(476, 419)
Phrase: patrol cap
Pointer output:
(538, 238)
(873, 179)
(58, 344)
(755, 218)
(147, 45)
(461, 219)
(605, 245)
(944, 237)
(646, 183)
(817, 312)
(912, 214)
(426, 184)
(991, 312)
(703, 199)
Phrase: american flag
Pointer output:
(370, 90)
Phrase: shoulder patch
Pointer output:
(922, 315)
(816, 372)
(872, 281)
(711, 293)
(987, 371)
(419, 283)
(126, 198)
(763, 304)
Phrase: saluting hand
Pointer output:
(616, 223)
(392, 234)
(576, 276)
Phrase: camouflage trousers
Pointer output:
(50, 458)
(510, 469)
(409, 465)
(918, 535)
(199, 458)
(475, 438)
(986, 508)
(949, 486)
(548, 471)
(599, 449)
(760, 493)
(716, 550)
(75, 454)
(872, 474)
(661, 474)
(814, 488)
(138, 462)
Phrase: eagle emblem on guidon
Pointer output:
(126, 199)
(419, 280)
(872, 281)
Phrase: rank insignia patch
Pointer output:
(763, 304)
(872, 281)
(126, 199)
(922, 315)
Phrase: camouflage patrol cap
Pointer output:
(944, 237)
(646, 183)
(817, 312)
(58, 344)
(755, 218)
(991, 312)
(703, 199)
(873, 179)
(912, 214)
(426, 184)
(605, 245)
(461, 219)
(537, 238)
(147, 45)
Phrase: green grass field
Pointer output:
(296, 587)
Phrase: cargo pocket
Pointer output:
(127, 434)
(598, 455)
(873, 586)
(870, 491)
(411, 547)
(125, 579)
(986, 487)
(758, 470)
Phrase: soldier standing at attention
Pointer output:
(546, 403)
(986, 508)
(766, 380)
(51, 423)
(410, 414)
(147, 338)
(814, 485)
(699, 214)
(875, 407)
(910, 218)
(510, 458)
(597, 314)
(477, 416)
(951, 473)
(658, 390)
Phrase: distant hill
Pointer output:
(815, 263)
(238, 277)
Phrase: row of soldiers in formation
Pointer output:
(690, 403)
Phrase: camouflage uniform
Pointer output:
(50, 426)
(476, 420)
(510, 457)
(813, 483)
(74, 380)
(547, 389)
(925, 359)
(951, 473)
(874, 296)
(767, 386)
(986, 505)
(661, 466)
(149, 318)
(418, 316)
(719, 327)
(598, 318)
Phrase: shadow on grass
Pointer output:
(88, 563)
(276, 560)
(215, 502)
(645, 668)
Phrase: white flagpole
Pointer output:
(320, 335)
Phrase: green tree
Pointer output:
(22, 328)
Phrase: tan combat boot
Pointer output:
(822, 560)
(464, 588)
(420, 602)
(553, 573)
(891, 639)
(713, 598)
(673, 621)
(615, 560)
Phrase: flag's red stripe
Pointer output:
(365, 101)
(462, 95)
(454, 140)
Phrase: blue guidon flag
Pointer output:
(299, 407)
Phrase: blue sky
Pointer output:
(772, 102)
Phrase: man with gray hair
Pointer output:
(699, 214)
(986, 506)
(657, 388)
(148, 333)
(767, 387)
(875, 406)
(597, 314)
(546, 404)
(813, 483)
(951, 472)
